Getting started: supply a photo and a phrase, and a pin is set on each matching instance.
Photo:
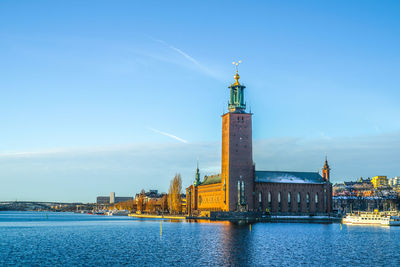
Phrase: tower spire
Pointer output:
(197, 176)
(236, 100)
(237, 77)
(326, 170)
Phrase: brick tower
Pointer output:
(237, 154)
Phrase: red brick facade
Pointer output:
(237, 161)
(314, 198)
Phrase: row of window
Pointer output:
(209, 199)
(289, 197)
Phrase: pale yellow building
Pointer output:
(379, 181)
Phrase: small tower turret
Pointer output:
(197, 177)
(326, 170)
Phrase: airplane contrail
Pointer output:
(169, 135)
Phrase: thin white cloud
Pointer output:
(191, 59)
(30, 153)
(179, 51)
(169, 135)
(73, 151)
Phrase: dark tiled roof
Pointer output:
(288, 177)
(212, 179)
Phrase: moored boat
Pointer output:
(373, 218)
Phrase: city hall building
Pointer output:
(240, 187)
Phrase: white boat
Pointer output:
(373, 218)
(117, 213)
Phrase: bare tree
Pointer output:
(174, 195)
(140, 201)
(164, 203)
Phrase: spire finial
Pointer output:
(237, 77)
(326, 166)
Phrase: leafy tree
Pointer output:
(174, 195)
(151, 205)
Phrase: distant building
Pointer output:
(379, 181)
(112, 199)
(103, 200)
(151, 194)
(122, 199)
(361, 187)
(394, 182)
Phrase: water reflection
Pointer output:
(67, 239)
(235, 239)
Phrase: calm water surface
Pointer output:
(37, 238)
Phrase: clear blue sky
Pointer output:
(93, 93)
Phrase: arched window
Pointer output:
(242, 194)
(238, 190)
(259, 197)
(308, 202)
(269, 197)
(298, 202)
(316, 198)
(289, 197)
(279, 201)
